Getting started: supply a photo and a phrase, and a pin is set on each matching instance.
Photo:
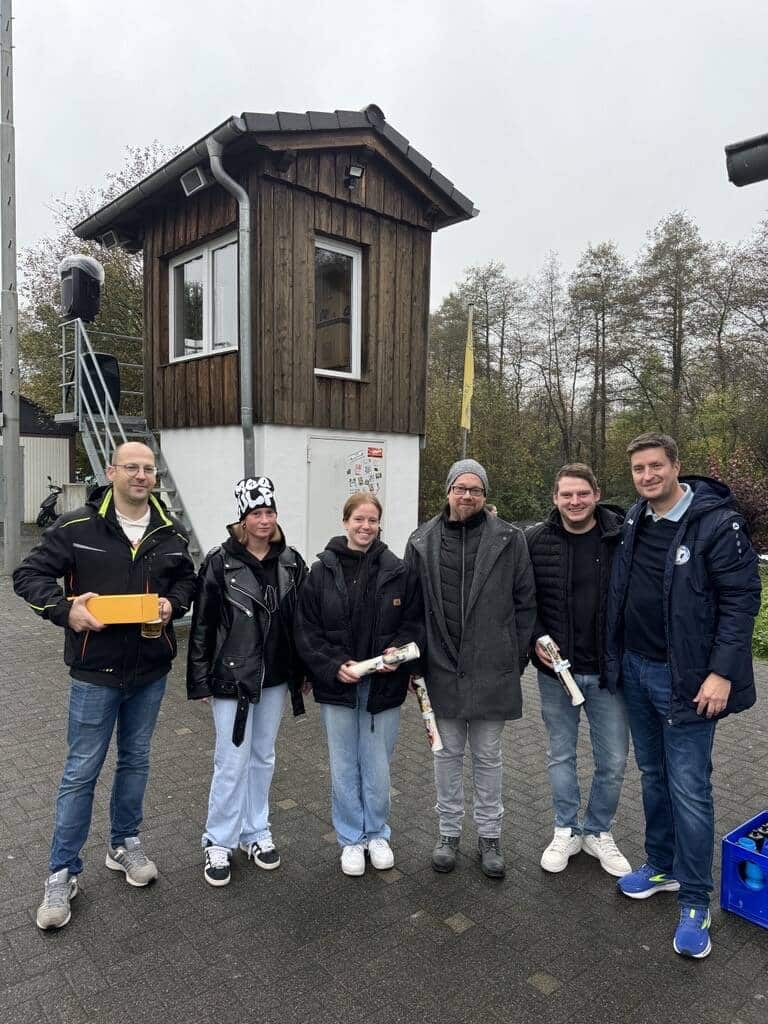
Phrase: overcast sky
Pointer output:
(566, 121)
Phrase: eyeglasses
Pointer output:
(132, 468)
(476, 492)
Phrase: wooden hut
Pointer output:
(339, 211)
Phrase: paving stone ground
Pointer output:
(306, 944)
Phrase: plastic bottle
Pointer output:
(750, 872)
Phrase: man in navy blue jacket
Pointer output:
(684, 594)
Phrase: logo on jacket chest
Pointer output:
(682, 555)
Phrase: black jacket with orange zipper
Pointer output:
(88, 550)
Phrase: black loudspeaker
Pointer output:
(81, 280)
(747, 161)
(92, 392)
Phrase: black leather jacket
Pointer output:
(230, 620)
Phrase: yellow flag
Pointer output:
(469, 378)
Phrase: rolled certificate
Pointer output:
(427, 714)
(562, 667)
(408, 653)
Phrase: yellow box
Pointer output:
(112, 609)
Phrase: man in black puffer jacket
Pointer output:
(480, 606)
(572, 552)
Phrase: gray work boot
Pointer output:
(130, 858)
(491, 857)
(54, 911)
(444, 853)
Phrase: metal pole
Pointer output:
(215, 151)
(9, 305)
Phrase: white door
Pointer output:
(338, 467)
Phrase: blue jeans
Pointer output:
(675, 762)
(609, 734)
(93, 712)
(238, 803)
(360, 747)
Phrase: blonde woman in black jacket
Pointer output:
(360, 601)
(242, 658)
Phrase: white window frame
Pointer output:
(356, 310)
(206, 251)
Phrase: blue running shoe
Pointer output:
(692, 935)
(644, 882)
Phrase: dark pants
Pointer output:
(675, 763)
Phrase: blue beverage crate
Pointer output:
(735, 895)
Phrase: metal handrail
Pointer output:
(71, 359)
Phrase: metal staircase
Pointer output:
(88, 403)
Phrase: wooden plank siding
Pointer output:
(194, 392)
(384, 216)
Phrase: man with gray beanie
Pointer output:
(480, 606)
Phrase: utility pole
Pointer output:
(9, 302)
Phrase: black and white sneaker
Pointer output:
(264, 854)
(217, 871)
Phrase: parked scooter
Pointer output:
(48, 513)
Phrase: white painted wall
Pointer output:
(206, 462)
(43, 457)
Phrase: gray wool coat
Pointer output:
(482, 678)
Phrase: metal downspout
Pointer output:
(215, 150)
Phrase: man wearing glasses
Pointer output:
(480, 609)
(123, 541)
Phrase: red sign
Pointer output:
(375, 453)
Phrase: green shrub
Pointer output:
(760, 639)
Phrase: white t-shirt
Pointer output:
(134, 529)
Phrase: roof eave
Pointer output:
(100, 221)
(260, 125)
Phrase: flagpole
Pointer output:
(469, 384)
(9, 309)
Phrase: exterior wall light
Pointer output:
(352, 176)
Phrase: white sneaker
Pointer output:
(381, 854)
(563, 846)
(353, 859)
(607, 852)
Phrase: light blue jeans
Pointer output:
(609, 734)
(484, 739)
(360, 748)
(238, 803)
(94, 711)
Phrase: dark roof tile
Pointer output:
(322, 121)
(463, 201)
(394, 137)
(441, 181)
(419, 161)
(352, 119)
(261, 122)
(293, 122)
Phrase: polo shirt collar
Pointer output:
(676, 513)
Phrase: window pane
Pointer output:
(333, 308)
(188, 314)
(225, 331)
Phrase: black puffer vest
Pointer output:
(551, 557)
(459, 543)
